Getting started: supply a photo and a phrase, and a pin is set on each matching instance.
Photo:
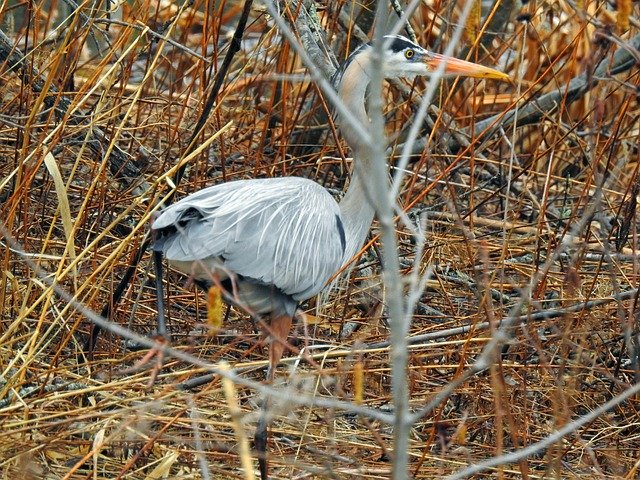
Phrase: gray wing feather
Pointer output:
(282, 232)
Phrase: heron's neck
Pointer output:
(352, 90)
(357, 214)
(355, 208)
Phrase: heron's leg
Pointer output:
(279, 331)
(261, 439)
(162, 324)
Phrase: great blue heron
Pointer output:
(273, 243)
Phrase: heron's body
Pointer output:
(280, 238)
(273, 243)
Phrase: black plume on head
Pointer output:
(398, 44)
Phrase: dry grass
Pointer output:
(81, 219)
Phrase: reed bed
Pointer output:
(535, 221)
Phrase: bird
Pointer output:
(270, 244)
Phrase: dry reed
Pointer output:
(102, 88)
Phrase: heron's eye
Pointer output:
(409, 54)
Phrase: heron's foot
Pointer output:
(153, 359)
(134, 346)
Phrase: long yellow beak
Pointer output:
(462, 68)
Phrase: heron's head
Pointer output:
(405, 59)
